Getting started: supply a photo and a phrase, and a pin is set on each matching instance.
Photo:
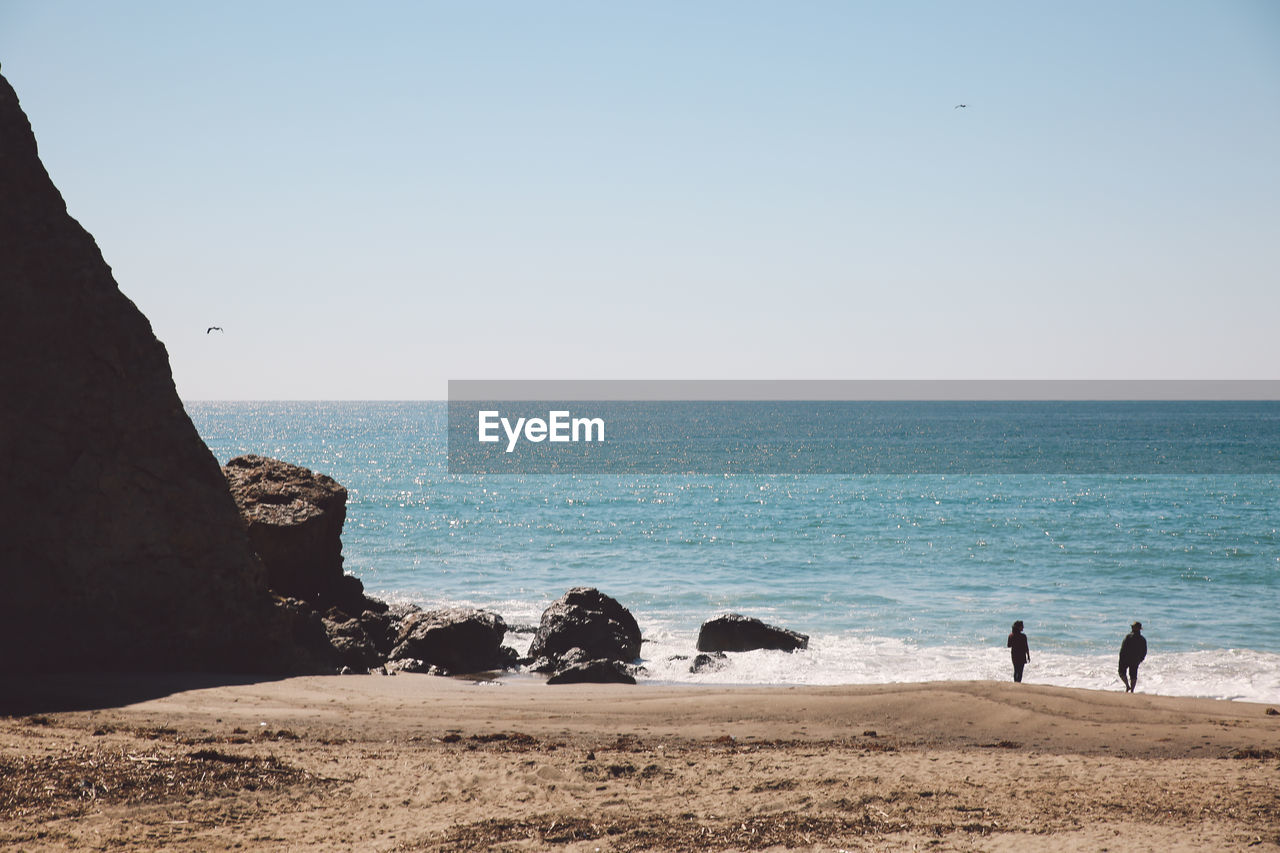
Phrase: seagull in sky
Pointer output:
(213, 329)
(961, 106)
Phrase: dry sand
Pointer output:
(420, 763)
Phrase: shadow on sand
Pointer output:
(27, 693)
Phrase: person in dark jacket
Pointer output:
(1133, 651)
(1018, 650)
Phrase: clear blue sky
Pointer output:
(374, 198)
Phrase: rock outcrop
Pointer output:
(123, 548)
(587, 619)
(592, 672)
(294, 518)
(455, 640)
(709, 662)
(585, 636)
(353, 648)
(737, 633)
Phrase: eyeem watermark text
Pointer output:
(558, 426)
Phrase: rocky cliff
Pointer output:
(122, 547)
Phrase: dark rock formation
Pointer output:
(585, 618)
(295, 519)
(712, 662)
(577, 667)
(123, 548)
(311, 633)
(736, 633)
(352, 645)
(593, 672)
(457, 640)
(382, 628)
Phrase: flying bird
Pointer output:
(961, 107)
(213, 329)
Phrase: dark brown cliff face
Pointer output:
(121, 545)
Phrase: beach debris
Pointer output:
(62, 784)
(1254, 752)
(734, 632)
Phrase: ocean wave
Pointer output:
(1237, 674)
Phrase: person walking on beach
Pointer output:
(1019, 650)
(1133, 651)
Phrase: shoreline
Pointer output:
(1228, 674)
(826, 710)
(420, 762)
(23, 694)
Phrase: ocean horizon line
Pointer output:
(825, 391)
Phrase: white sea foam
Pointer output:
(667, 655)
(1220, 674)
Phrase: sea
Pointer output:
(895, 577)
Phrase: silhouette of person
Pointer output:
(1018, 650)
(1133, 651)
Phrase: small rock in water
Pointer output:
(734, 632)
(712, 662)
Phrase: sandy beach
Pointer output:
(425, 763)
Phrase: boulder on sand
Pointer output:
(593, 672)
(455, 639)
(585, 618)
(737, 633)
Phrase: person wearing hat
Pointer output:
(1133, 650)
(1018, 650)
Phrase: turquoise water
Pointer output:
(896, 578)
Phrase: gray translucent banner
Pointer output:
(714, 428)
(863, 389)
